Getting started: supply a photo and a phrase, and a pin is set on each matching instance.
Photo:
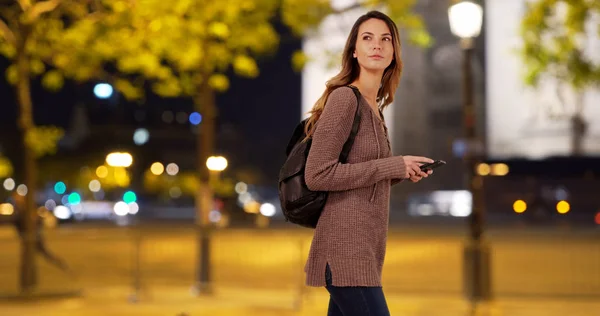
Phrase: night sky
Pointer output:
(262, 112)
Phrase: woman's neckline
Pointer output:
(378, 116)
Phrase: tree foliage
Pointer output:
(175, 45)
(555, 34)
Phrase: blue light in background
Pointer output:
(129, 197)
(74, 198)
(141, 136)
(459, 148)
(103, 90)
(60, 187)
(195, 118)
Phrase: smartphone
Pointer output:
(433, 165)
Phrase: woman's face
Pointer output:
(374, 46)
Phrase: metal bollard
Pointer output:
(477, 272)
(136, 272)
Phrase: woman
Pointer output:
(348, 247)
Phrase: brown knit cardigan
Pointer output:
(352, 230)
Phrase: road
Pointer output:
(545, 265)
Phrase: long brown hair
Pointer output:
(351, 70)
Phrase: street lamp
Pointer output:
(119, 159)
(215, 165)
(466, 18)
(465, 22)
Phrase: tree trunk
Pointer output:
(205, 103)
(28, 272)
(578, 127)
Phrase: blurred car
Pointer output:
(95, 210)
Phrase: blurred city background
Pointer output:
(141, 142)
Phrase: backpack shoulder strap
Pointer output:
(355, 125)
(297, 136)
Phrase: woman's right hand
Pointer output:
(413, 167)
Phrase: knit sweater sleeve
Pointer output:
(396, 181)
(324, 171)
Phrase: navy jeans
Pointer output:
(355, 301)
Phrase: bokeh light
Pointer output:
(74, 198)
(133, 208)
(195, 118)
(267, 209)
(22, 190)
(175, 192)
(519, 206)
(60, 187)
(103, 90)
(6, 209)
(181, 117)
(172, 169)
(167, 116)
(141, 136)
(157, 168)
(95, 185)
(129, 197)
(563, 207)
(241, 188)
(216, 163)
(500, 169)
(62, 212)
(9, 184)
(121, 208)
(119, 159)
(101, 172)
(483, 169)
(50, 205)
(214, 216)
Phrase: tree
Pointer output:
(217, 37)
(52, 39)
(24, 40)
(555, 34)
(176, 48)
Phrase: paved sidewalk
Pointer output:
(236, 301)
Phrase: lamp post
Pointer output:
(215, 165)
(465, 22)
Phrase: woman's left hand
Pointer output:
(418, 177)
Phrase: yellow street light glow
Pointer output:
(157, 168)
(500, 169)
(6, 209)
(119, 159)
(563, 207)
(483, 169)
(102, 172)
(519, 206)
(252, 207)
(216, 163)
